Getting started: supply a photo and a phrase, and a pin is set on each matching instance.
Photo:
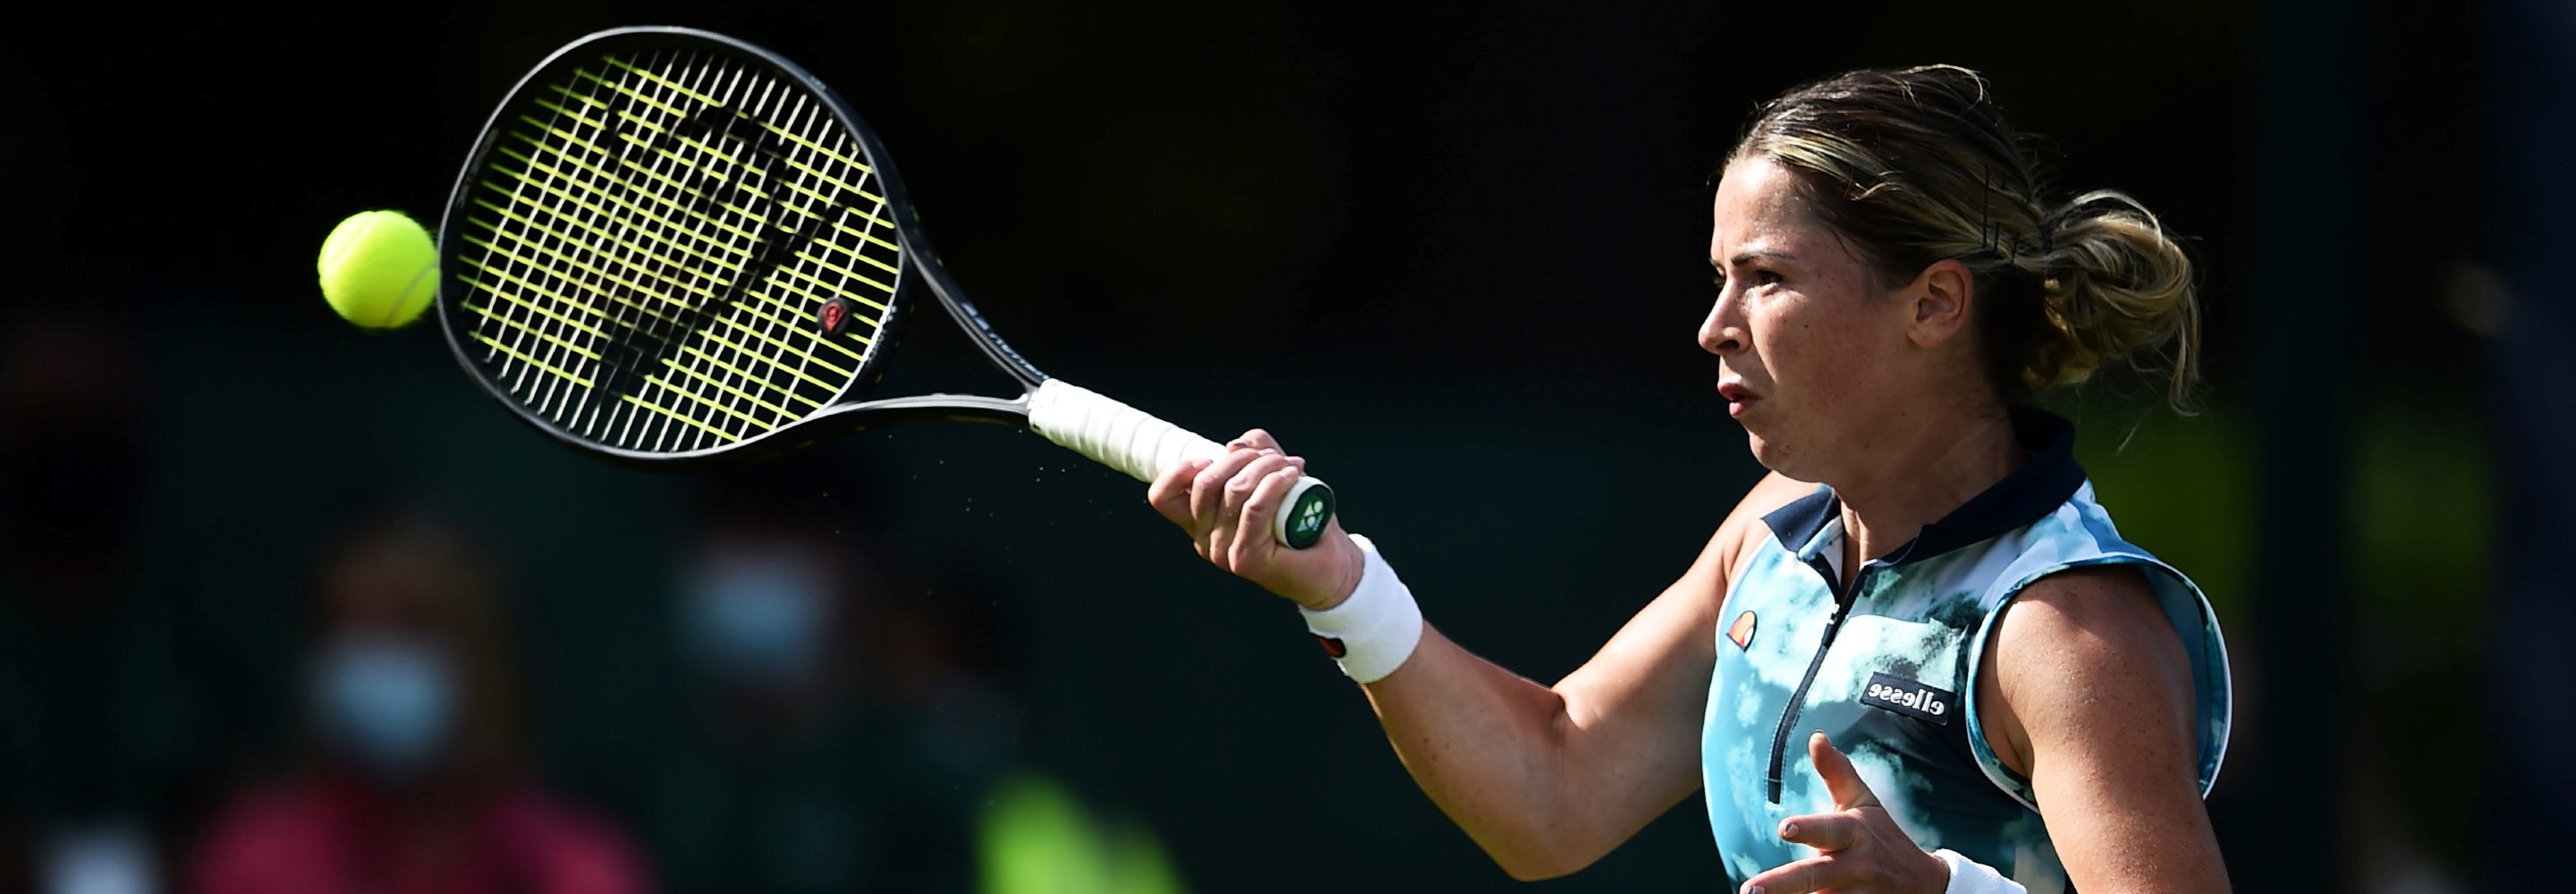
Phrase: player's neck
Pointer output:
(1920, 474)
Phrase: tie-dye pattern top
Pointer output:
(1890, 671)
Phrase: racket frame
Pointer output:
(1127, 439)
(849, 409)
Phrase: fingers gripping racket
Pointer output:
(674, 249)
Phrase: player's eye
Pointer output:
(1765, 277)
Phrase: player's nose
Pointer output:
(1723, 332)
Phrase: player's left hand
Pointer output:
(1859, 849)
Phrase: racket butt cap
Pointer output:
(1303, 516)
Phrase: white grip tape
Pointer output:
(1133, 441)
(1114, 434)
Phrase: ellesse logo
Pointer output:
(1741, 632)
(1905, 696)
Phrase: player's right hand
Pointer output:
(1226, 505)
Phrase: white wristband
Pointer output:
(1374, 631)
(1971, 877)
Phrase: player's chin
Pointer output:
(1768, 451)
(1754, 430)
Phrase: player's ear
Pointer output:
(1940, 300)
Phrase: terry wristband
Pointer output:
(1374, 631)
(1971, 877)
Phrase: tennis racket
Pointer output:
(673, 249)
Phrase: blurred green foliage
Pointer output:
(2421, 517)
(1037, 838)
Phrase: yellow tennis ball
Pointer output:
(379, 269)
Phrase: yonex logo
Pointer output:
(1310, 516)
(1908, 697)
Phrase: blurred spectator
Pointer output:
(843, 734)
(89, 694)
(419, 786)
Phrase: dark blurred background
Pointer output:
(1455, 254)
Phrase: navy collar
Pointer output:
(2027, 495)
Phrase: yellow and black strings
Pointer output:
(590, 276)
(552, 216)
(578, 194)
(679, 417)
(661, 197)
(608, 244)
(758, 326)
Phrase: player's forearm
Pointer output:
(1489, 747)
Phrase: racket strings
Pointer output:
(652, 239)
(656, 431)
(553, 182)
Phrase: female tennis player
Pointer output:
(1937, 667)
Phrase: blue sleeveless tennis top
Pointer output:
(1888, 668)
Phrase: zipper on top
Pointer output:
(1798, 699)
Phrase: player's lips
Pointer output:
(1737, 397)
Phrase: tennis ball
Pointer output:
(379, 269)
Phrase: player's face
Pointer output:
(1802, 329)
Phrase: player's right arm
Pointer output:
(1546, 779)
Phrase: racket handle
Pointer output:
(1133, 441)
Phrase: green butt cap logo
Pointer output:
(1306, 519)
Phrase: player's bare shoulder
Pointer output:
(1743, 527)
(1721, 561)
(2076, 641)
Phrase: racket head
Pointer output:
(672, 248)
